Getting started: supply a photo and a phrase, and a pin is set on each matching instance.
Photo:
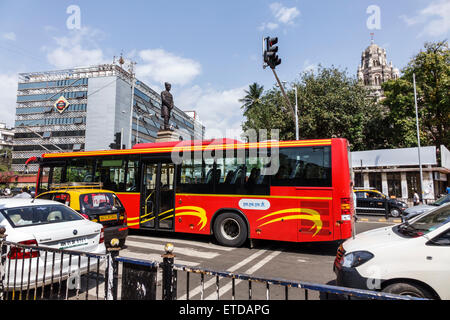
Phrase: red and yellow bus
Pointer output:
(298, 191)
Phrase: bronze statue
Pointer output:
(166, 105)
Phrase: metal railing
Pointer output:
(39, 273)
(141, 269)
(29, 272)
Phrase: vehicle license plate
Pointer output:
(68, 244)
(108, 217)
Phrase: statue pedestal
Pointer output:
(167, 136)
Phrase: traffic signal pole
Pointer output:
(271, 59)
(284, 93)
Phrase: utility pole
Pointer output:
(133, 83)
(418, 138)
(296, 114)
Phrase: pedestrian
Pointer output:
(416, 198)
(24, 194)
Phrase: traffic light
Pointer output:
(117, 143)
(270, 54)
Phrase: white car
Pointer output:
(412, 258)
(46, 224)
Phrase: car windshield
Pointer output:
(442, 201)
(37, 215)
(427, 223)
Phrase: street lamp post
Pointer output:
(296, 114)
(137, 127)
(418, 137)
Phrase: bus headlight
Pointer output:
(357, 258)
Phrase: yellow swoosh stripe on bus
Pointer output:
(311, 215)
(146, 215)
(196, 211)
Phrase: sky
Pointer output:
(210, 51)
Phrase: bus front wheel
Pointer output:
(230, 229)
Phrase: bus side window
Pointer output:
(132, 174)
(304, 167)
(197, 175)
(111, 173)
(256, 181)
(231, 167)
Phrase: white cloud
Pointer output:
(435, 18)
(219, 111)
(8, 93)
(308, 66)
(283, 14)
(9, 36)
(161, 66)
(269, 26)
(78, 48)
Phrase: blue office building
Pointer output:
(84, 109)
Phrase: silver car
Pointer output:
(417, 210)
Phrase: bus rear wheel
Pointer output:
(230, 229)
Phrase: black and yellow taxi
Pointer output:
(97, 205)
(372, 201)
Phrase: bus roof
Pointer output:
(191, 145)
(186, 143)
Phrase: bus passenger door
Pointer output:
(148, 195)
(166, 195)
(158, 196)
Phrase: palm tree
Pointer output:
(252, 97)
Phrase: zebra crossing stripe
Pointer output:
(185, 242)
(212, 282)
(177, 250)
(252, 270)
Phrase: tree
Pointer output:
(331, 104)
(431, 67)
(252, 98)
(270, 114)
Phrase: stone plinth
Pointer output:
(167, 135)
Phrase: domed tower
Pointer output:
(374, 69)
